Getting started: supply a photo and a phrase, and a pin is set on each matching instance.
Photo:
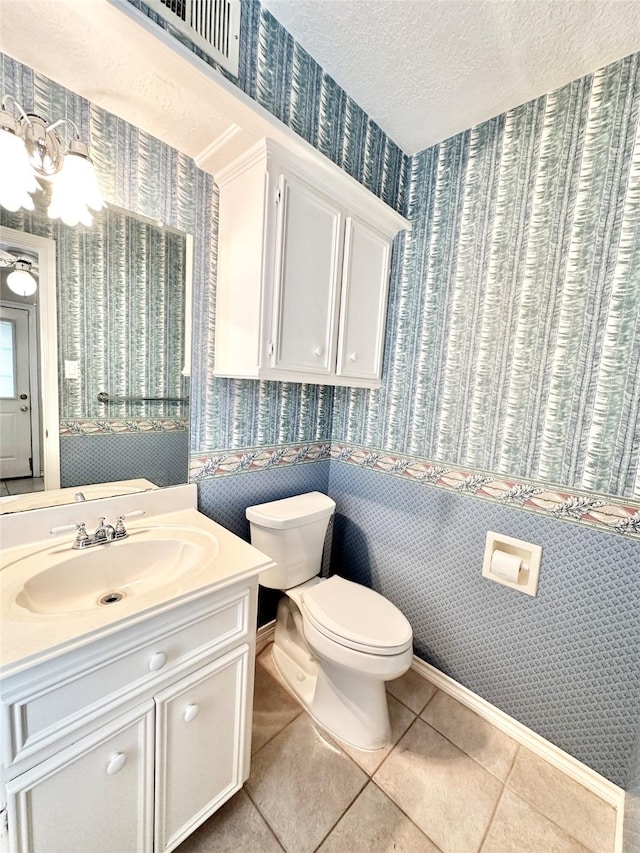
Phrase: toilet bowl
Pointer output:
(336, 642)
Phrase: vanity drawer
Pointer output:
(108, 673)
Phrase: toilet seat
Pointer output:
(357, 617)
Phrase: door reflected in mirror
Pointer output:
(99, 355)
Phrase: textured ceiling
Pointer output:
(427, 69)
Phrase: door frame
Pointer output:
(45, 250)
(34, 382)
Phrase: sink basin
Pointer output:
(105, 575)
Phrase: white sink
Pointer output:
(50, 594)
(106, 575)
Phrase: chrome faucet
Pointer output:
(79, 497)
(104, 533)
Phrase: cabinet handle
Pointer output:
(353, 356)
(116, 763)
(157, 661)
(318, 351)
(191, 712)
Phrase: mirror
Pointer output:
(118, 374)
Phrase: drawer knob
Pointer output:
(191, 712)
(318, 351)
(116, 763)
(157, 661)
(353, 356)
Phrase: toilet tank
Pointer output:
(292, 532)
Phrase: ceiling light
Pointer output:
(30, 149)
(21, 281)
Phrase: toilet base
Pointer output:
(350, 705)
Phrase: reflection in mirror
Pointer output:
(122, 373)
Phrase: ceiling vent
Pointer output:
(212, 25)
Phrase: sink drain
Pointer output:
(111, 598)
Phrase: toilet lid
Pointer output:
(357, 617)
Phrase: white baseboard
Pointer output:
(569, 765)
(546, 750)
(265, 635)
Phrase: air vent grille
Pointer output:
(212, 25)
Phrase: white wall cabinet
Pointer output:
(128, 744)
(303, 273)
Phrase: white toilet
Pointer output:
(336, 642)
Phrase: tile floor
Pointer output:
(450, 782)
(21, 486)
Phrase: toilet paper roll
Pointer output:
(506, 566)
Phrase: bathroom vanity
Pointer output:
(124, 725)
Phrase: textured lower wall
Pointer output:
(632, 811)
(225, 499)
(161, 457)
(566, 663)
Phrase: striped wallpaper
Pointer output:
(120, 311)
(514, 344)
(513, 335)
(513, 338)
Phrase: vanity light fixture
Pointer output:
(21, 281)
(31, 149)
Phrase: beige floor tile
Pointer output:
(578, 811)
(374, 823)
(273, 708)
(25, 486)
(518, 828)
(412, 690)
(265, 659)
(400, 718)
(445, 792)
(236, 828)
(475, 736)
(302, 783)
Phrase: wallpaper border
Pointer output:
(222, 463)
(601, 512)
(121, 426)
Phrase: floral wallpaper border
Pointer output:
(226, 462)
(599, 511)
(111, 426)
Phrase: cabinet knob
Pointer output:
(353, 356)
(116, 763)
(191, 712)
(157, 661)
(318, 351)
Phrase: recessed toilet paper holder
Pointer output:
(512, 562)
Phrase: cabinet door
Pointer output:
(309, 246)
(365, 284)
(95, 795)
(200, 742)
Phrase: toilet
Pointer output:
(336, 642)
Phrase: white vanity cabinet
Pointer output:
(96, 794)
(130, 742)
(303, 272)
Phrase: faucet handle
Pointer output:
(120, 528)
(81, 536)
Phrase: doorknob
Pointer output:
(24, 408)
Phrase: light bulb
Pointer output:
(21, 281)
(17, 179)
(75, 190)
